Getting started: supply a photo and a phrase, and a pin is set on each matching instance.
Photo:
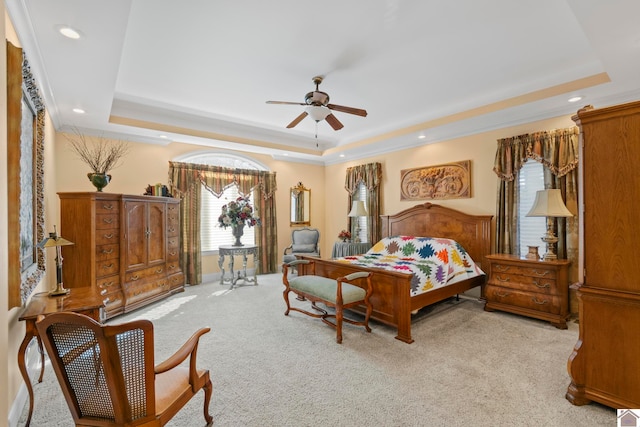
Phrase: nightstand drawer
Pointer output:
(534, 301)
(538, 272)
(525, 283)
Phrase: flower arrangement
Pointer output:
(344, 235)
(238, 212)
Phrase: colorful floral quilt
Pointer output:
(434, 262)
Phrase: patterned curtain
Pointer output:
(557, 150)
(186, 181)
(371, 175)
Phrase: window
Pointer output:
(361, 194)
(211, 235)
(531, 229)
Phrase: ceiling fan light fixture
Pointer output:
(317, 113)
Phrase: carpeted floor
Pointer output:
(466, 367)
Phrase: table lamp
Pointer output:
(56, 241)
(549, 204)
(357, 210)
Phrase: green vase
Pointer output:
(99, 180)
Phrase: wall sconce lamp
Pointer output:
(549, 204)
(357, 210)
(56, 241)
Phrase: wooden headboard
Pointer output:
(473, 232)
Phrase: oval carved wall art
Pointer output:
(448, 181)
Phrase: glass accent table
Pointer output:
(231, 252)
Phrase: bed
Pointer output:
(391, 299)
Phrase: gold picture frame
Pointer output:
(447, 181)
(25, 177)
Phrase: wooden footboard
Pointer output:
(391, 298)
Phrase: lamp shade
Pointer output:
(317, 112)
(358, 208)
(549, 203)
(54, 240)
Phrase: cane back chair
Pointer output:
(107, 372)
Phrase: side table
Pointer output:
(232, 251)
(84, 300)
(342, 249)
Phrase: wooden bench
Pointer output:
(342, 293)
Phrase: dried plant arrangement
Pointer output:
(100, 154)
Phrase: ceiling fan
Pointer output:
(318, 108)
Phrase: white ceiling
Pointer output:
(201, 71)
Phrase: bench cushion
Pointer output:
(327, 289)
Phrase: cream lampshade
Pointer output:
(549, 204)
(357, 210)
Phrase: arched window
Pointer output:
(211, 234)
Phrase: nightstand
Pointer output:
(528, 287)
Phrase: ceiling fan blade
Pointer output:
(286, 103)
(334, 122)
(350, 110)
(297, 120)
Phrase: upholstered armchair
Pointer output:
(108, 376)
(304, 241)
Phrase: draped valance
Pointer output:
(556, 149)
(370, 174)
(183, 177)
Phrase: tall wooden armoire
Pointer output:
(125, 246)
(605, 363)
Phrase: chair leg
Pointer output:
(208, 389)
(339, 324)
(367, 315)
(285, 295)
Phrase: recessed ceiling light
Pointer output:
(164, 136)
(78, 111)
(341, 155)
(69, 32)
(575, 99)
(421, 137)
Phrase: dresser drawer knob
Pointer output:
(108, 236)
(535, 300)
(107, 284)
(540, 273)
(502, 295)
(503, 279)
(542, 286)
(108, 206)
(108, 265)
(134, 278)
(502, 267)
(107, 220)
(159, 270)
(107, 251)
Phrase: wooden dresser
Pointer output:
(529, 287)
(125, 247)
(605, 363)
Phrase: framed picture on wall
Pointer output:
(25, 177)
